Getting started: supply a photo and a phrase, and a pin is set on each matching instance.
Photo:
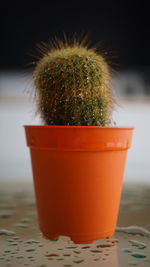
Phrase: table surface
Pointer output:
(22, 244)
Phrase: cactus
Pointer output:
(72, 85)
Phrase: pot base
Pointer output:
(82, 239)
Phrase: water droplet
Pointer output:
(96, 259)
(77, 251)
(52, 255)
(66, 255)
(113, 240)
(31, 241)
(138, 255)
(105, 245)
(21, 225)
(134, 230)
(71, 247)
(13, 244)
(4, 214)
(5, 232)
(16, 238)
(25, 220)
(137, 244)
(30, 249)
(126, 250)
(78, 261)
(96, 251)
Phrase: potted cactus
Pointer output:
(78, 157)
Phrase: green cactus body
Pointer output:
(73, 87)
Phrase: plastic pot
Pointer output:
(78, 173)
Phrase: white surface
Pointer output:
(16, 112)
(137, 114)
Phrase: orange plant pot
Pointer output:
(78, 173)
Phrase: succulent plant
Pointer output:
(73, 85)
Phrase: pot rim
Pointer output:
(82, 127)
(89, 138)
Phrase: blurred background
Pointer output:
(125, 31)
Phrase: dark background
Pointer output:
(123, 27)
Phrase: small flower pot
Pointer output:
(78, 173)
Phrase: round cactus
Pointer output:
(72, 84)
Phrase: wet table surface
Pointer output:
(22, 244)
